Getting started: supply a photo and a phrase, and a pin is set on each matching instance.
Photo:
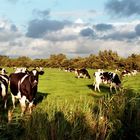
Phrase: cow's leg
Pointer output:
(85, 76)
(94, 86)
(23, 105)
(111, 88)
(4, 95)
(13, 100)
(5, 101)
(98, 87)
(30, 107)
(10, 115)
(115, 87)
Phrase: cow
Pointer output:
(126, 73)
(23, 86)
(107, 78)
(4, 81)
(82, 73)
(134, 72)
(20, 70)
(69, 69)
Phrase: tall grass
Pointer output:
(105, 118)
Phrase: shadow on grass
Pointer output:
(102, 88)
(58, 128)
(104, 91)
(40, 96)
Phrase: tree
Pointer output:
(4, 60)
(108, 59)
(133, 62)
(56, 60)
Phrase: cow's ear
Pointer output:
(41, 72)
(0, 68)
(27, 71)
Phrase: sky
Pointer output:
(39, 28)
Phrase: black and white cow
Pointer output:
(82, 73)
(107, 78)
(134, 72)
(20, 69)
(4, 81)
(69, 69)
(23, 86)
(126, 73)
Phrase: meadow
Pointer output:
(69, 108)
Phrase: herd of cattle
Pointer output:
(105, 77)
(23, 83)
(101, 77)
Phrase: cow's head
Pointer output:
(34, 75)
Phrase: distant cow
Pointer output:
(128, 73)
(134, 72)
(69, 69)
(21, 69)
(4, 81)
(125, 73)
(23, 86)
(82, 73)
(107, 78)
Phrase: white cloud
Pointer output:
(66, 40)
(79, 21)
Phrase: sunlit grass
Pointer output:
(69, 108)
(132, 82)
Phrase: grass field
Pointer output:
(69, 108)
(63, 85)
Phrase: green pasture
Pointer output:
(64, 85)
(69, 108)
(58, 85)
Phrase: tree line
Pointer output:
(106, 59)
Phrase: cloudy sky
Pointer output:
(39, 28)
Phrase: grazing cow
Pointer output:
(4, 81)
(69, 69)
(134, 72)
(125, 73)
(82, 73)
(128, 73)
(107, 78)
(24, 86)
